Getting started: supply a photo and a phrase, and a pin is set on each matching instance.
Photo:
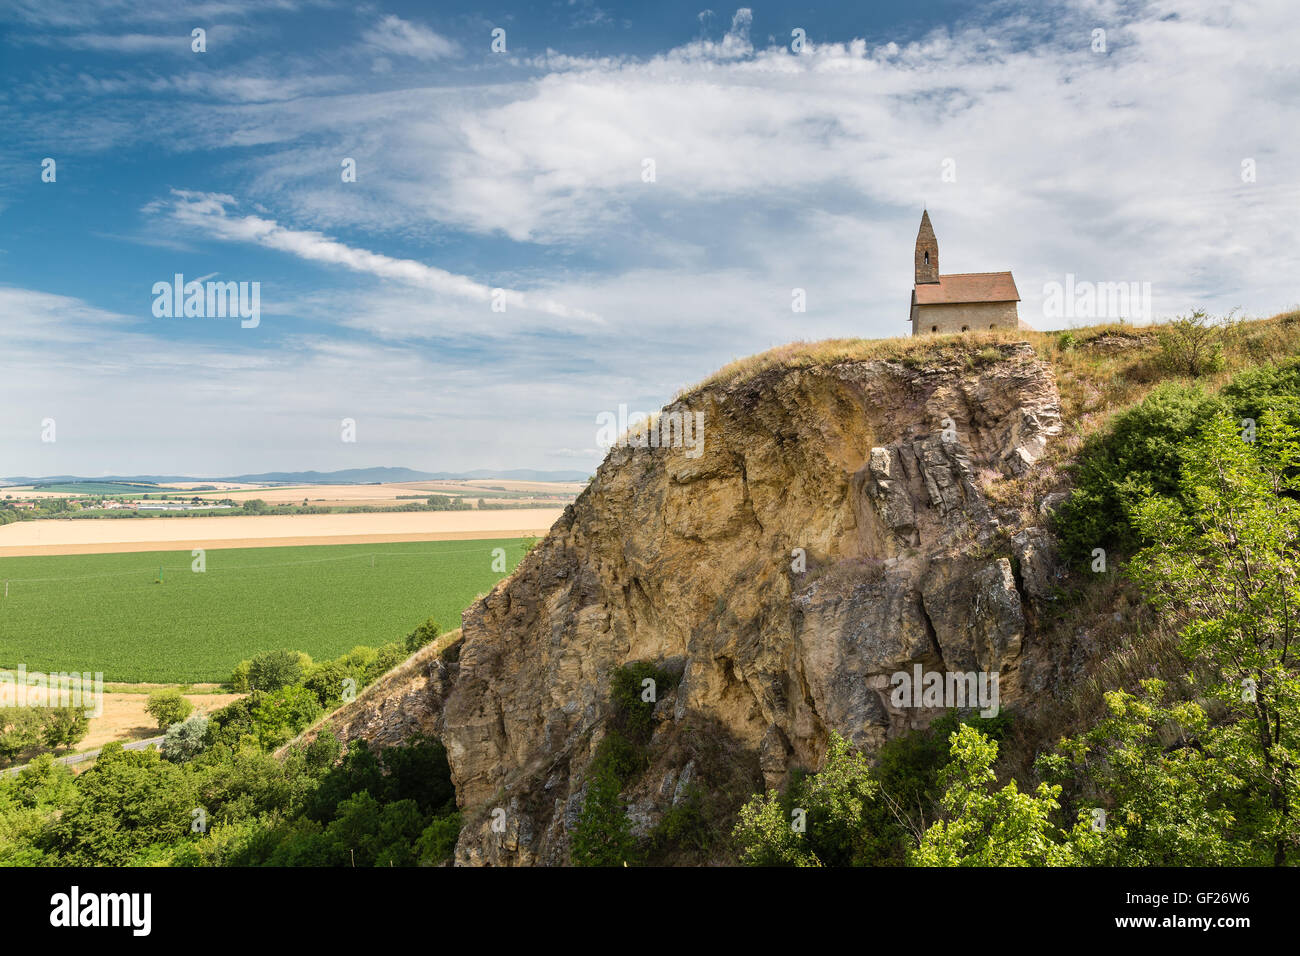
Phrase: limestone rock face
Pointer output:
(832, 533)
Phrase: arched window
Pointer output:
(927, 257)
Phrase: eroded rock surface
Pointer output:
(832, 533)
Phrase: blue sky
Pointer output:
(522, 171)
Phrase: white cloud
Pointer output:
(207, 212)
(397, 37)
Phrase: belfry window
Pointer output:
(927, 257)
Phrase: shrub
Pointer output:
(186, 739)
(634, 699)
(1192, 344)
(328, 682)
(426, 633)
(277, 716)
(272, 670)
(239, 677)
(438, 841)
(1139, 451)
(385, 659)
(64, 727)
(20, 731)
(603, 835)
(168, 707)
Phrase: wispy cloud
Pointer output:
(208, 212)
(397, 37)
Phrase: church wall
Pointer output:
(952, 317)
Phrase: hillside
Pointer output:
(860, 508)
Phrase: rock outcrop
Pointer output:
(832, 533)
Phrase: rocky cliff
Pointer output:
(835, 530)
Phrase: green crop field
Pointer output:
(98, 488)
(106, 613)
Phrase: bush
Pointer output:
(272, 670)
(385, 659)
(603, 835)
(279, 715)
(438, 841)
(186, 739)
(426, 633)
(328, 682)
(20, 731)
(168, 707)
(1192, 344)
(239, 677)
(64, 727)
(1139, 451)
(634, 700)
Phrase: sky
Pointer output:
(564, 206)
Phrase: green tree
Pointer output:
(20, 731)
(167, 707)
(277, 716)
(272, 670)
(64, 727)
(603, 835)
(1165, 794)
(1225, 575)
(185, 739)
(425, 633)
(988, 827)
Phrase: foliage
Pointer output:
(64, 727)
(987, 827)
(271, 670)
(25, 729)
(279, 715)
(1165, 795)
(603, 835)
(425, 633)
(1193, 344)
(186, 739)
(1137, 454)
(1225, 574)
(634, 700)
(168, 706)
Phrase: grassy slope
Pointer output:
(104, 612)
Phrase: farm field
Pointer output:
(91, 535)
(105, 613)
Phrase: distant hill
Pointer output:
(346, 476)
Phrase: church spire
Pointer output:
(927, 252)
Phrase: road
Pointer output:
(90, 754)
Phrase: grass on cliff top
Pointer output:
(1099, 369)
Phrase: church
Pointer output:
(959, 301)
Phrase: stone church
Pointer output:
(960, 301)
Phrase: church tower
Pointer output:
(927, 252)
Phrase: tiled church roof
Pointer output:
(968, 287)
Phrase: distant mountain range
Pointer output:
(344, 477)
